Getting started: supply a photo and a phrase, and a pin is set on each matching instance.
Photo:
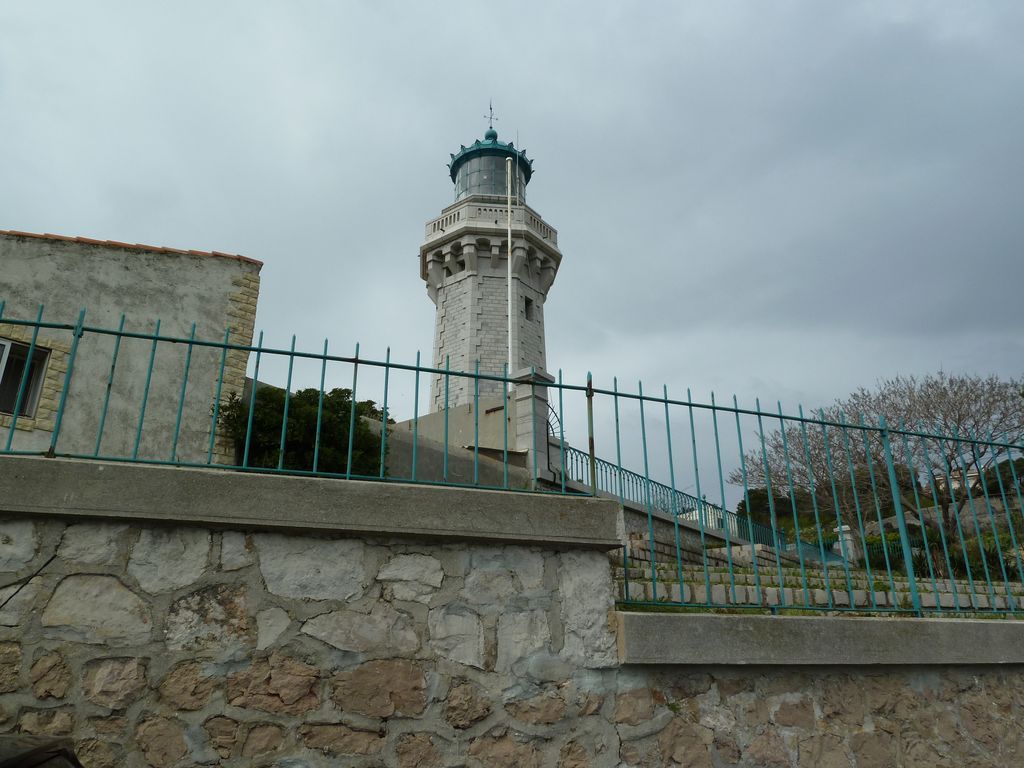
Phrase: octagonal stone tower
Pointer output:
(463, 260)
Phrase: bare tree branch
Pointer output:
(946, 432)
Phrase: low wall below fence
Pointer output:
(174, 618)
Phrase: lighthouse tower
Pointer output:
(464, 262)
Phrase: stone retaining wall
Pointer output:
(177, 646)
(171, 646)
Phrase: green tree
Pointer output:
(1012, 478)
(301, 430)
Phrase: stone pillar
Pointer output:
(849, 541)
(531, 427)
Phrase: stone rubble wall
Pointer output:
(184, 646)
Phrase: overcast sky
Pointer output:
(779, 199)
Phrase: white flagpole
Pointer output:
(518, 150)
(508, 190)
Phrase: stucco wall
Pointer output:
(215, 291)
(180, 645)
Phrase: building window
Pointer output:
(13, 359)
(529, 309)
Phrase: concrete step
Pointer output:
(817, 577)
(839, 598)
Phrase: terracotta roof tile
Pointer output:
(129, 246)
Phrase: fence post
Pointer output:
(590, 434)
(52, 452)
(901, 521)
(24, 378)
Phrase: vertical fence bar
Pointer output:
(352, 416)
(700, 505)
(507, 413)
(416, 416)
(184, 390)
(675, 499)
(814, 504)
(618, 463)
(956, 518)
(287, 401)
(1011, 603)
(721, 489)
(110, 384)
(145, 391)
(840, 524)
(590, 434)
(320, 410)
(878, 504)
(384, 413)
(746, 500)
(856, 505)
(533, 424)
(67, 384)
(1017, 488)
(476, 424)
(561, 428)
(915, 599)
(252, 401)
(941, 525)
(974, 517)
(647, 497)
(977, 525)
(924, 527)
(991, 516)
(447, 374)
(618, 440)
(771, 505)
(955, 504)
(792, 502)
(1017, 491)
(214, 412)
(23, 385)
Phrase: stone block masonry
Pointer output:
(154, 642)
(472, 325)
(172, 646)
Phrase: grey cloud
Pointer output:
(801, 199)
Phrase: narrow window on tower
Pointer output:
(528, 309)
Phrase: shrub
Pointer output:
(301, 431)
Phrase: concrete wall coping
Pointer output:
(132, 492)
(664, 638)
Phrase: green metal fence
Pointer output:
(837, 514)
